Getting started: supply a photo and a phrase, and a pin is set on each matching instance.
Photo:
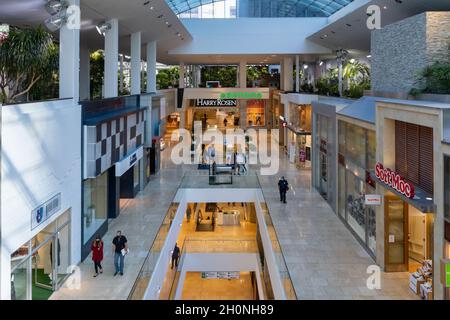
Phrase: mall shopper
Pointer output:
(283, 186)
(175, 256)
(120, 248)
(188, 214)
(97, 254)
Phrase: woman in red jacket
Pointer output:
(97, 254)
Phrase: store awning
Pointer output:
(422, 201)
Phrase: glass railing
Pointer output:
(279, 256)
(143, 278)
(202, 180)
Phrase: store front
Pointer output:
(324, 156)
(114, 168)
(256, 113)
(356, 158)
(40, 266)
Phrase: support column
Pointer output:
(287, 74)
(85, 77)
(111, 59)
(136, 63)
(151, 67)
(121, 74)
(297, 73)
(69, 60)
(181, 83)
(243, 74)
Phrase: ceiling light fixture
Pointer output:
(305, 66)
(369, 56)
(54, 23)
(102, 28)
(55, 6)
(320, 63)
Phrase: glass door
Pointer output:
(42, 268)
(396, 234)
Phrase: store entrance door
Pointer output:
(396, 234)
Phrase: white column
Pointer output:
(69, 60)
(111, 59)
(151, 67)
(85, 77)
(181, 83)
(297, 73)
(136, 63)
(243, 74)
(281, 75)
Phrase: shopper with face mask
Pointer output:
(97, 254)
(120, 248)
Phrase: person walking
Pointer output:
(283, 186)
(175, 256)
(97, 255)
(120, 248)
(188, 214)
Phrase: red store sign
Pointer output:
(394, 180)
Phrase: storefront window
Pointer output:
(95, 205)
(371, 149)
(19, 280)
(136, 170)
(341, 136)
(355, 205)
(341, 197)
(356, 144)
(447, 186)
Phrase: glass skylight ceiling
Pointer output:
(265, 8)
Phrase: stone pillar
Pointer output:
(69, 60)
(287, 74)
(181, 83)
(111, 56)
(243, 74)
(151, 67)
(136, 63)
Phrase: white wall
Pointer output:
(40, 157)
(252, 36)
(204, 262)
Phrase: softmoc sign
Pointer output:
(216, 103)
(393, 180)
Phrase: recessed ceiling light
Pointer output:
(385, 7)
(429, 199)
(152, 7)
(348, 24)
(325, 36)
(369, 56)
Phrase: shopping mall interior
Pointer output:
(246, 150)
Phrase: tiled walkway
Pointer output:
(324, 259)
(139, 221)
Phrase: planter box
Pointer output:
(444, 98)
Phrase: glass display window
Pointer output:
(95, 193)
(256, 115)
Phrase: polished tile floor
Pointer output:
(196, 288)
(324, 259)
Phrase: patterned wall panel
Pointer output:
(111, 140)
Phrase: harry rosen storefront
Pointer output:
(409, 176)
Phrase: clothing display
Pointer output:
(421, 281)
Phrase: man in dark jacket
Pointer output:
(175, 255)
(283, 186)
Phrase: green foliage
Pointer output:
(356, 78)
(227, 75)
(28, 58)
(97, 68)
(328, 85)
(255, 73)
(434, 79)
(168, 78)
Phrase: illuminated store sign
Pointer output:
(216, 103)
(241, 95)
(393, 180)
